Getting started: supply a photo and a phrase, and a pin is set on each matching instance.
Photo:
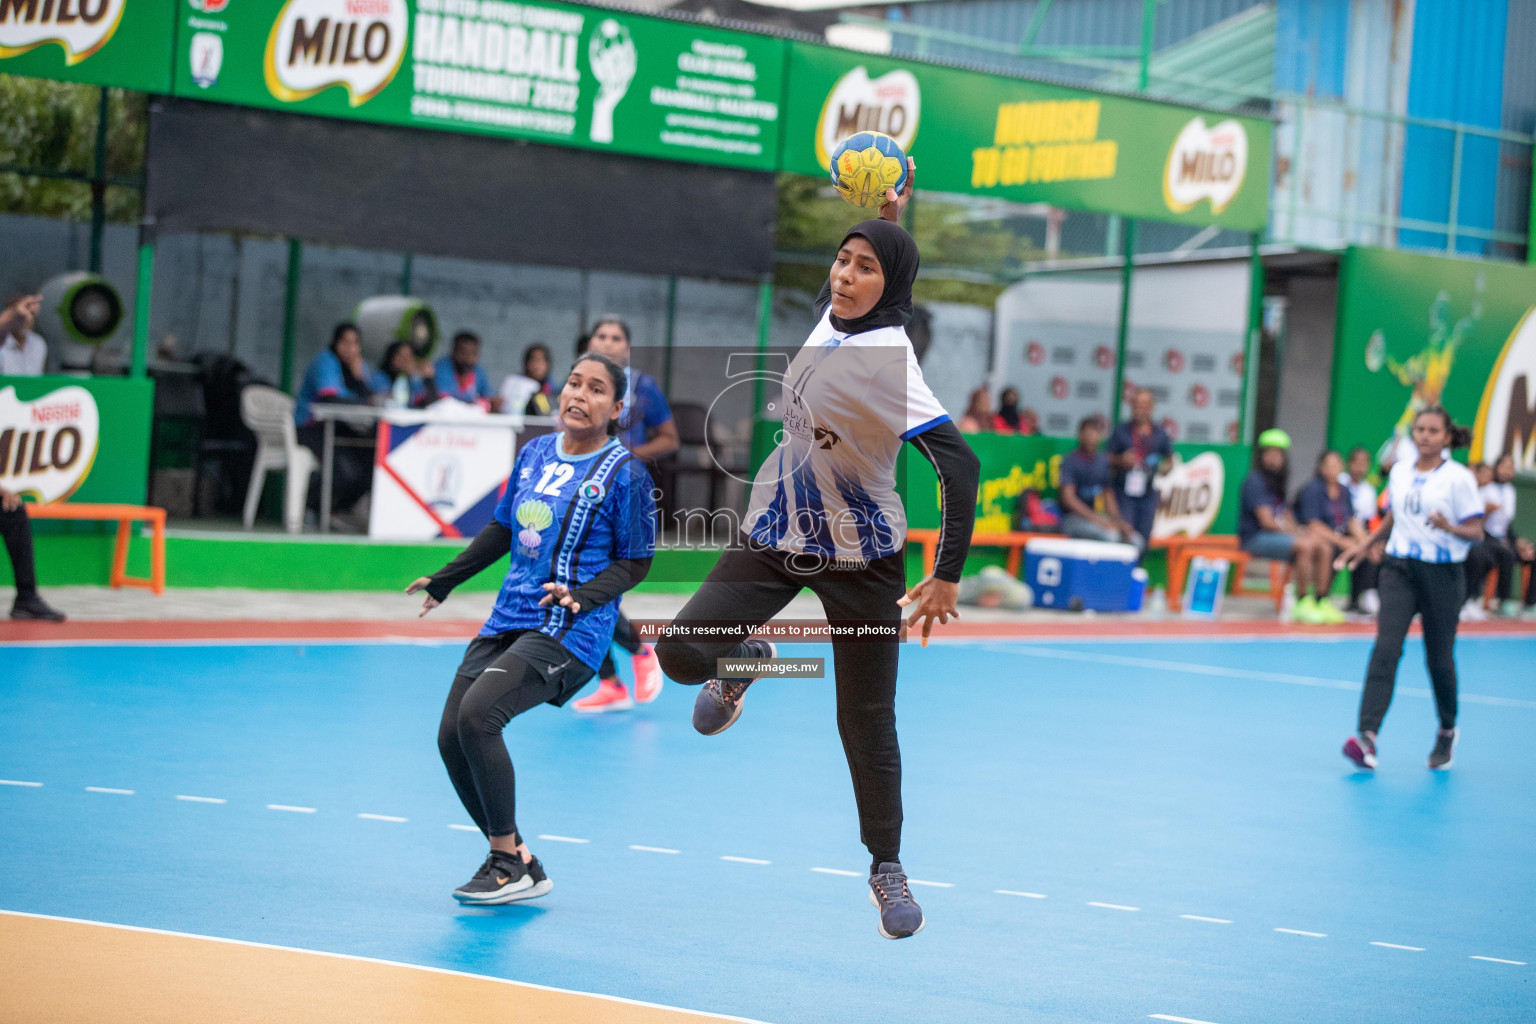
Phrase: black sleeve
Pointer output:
(959, 476)
(618, 577)
(489, 544)
(823, 299)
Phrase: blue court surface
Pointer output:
(1109, 831)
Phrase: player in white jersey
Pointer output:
(824, 514)
(1433, 517)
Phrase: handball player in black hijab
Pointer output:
(824, 513)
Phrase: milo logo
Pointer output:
(78, 27)
(47, 445)
(1506, 416)
(1205, 163)
(858, 103)
(315, 44)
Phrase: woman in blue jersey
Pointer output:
(579, 521)
(1434, 515)
(825, 514)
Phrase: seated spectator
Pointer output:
(1498, 548)
(17, 530)
(978, 413)
(1084, 481)
(1006, 421)
(536, 368)
(1362, 495)
(460, 375)
(400, 369)
(1267, 529)
(339, 375)
(23, 352)
(1029, 422)
(1326, 508)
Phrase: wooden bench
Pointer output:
(125, 516)
(1013, 540)
(1517, 586)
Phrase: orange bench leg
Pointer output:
(120, 554)
(1015, 560)
(157, 556)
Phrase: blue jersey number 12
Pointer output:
(556, 475)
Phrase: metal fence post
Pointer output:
(1450, 234)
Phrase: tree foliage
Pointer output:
(51, 126)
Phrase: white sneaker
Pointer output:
(1473, 611)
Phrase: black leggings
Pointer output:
(496, 683)
(17, 531)
(1488, 553)
(625, 636)
(747, 587)
(1434, 591)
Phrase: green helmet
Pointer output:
(1274, 437)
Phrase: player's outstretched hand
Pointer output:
(421, 584)
(894, 203)
(1350, 557)
(935, 599)
(559, 592)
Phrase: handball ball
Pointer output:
(864, 165)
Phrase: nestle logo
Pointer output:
(55, 413)
(368, 8)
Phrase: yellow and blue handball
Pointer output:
(864, 165)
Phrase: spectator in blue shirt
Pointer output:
(1326, 508)
(340, 375)
(1139, 450)
(1084, 481)
(399, 367)
(1267, 529)
(460, 375)
(646, 426)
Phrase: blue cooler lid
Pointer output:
(1082, 550)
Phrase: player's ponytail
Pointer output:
(1458, 436)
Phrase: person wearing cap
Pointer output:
(1267, 529)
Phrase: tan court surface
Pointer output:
(62, 972)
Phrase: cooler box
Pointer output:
(1083, 574)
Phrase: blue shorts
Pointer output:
(1271, 544)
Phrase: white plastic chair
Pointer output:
(269, 414)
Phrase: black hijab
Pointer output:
(897, 253)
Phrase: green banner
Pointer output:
(1418, 330)
(988, 135)
(556, 73)
(75, 438)
(126, 44)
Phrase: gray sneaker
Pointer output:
(900, 916)
(718, 704)
(1445, 748)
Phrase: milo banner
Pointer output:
(75, 439)
(122, 43)
(1026, 141)
(1419, 330)
(568, 75)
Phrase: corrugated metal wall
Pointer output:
(1458, 75)
(1513, 207)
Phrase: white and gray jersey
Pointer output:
(1413, 496)
(849, 403)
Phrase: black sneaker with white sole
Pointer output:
(1445, 748)
(900, 916)
(719, 702)
(504, 878)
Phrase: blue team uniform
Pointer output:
(570, 517)
(645, 408)
(324, 379)
(469, 388)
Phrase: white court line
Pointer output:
(1496, 960)
(839, 871)
(13, 782)
(1393, 945)
(387, 963)
(746, 860)
(1207, 920)
(1110, 906)
(105, 789)
(290, 807)
(936, 885)
(564, 839)
(464, 828)
(201, 799)
(1310, 935)
(1177, 1020)
(382, 817)
(653, 849)
(1026, 895)
(1191, 668)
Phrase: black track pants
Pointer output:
(1410, 587)
(17, 531)
(625, 636)
(749, 586)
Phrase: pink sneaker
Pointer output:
(611, 695)
(647, 675)
(1361, 749)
